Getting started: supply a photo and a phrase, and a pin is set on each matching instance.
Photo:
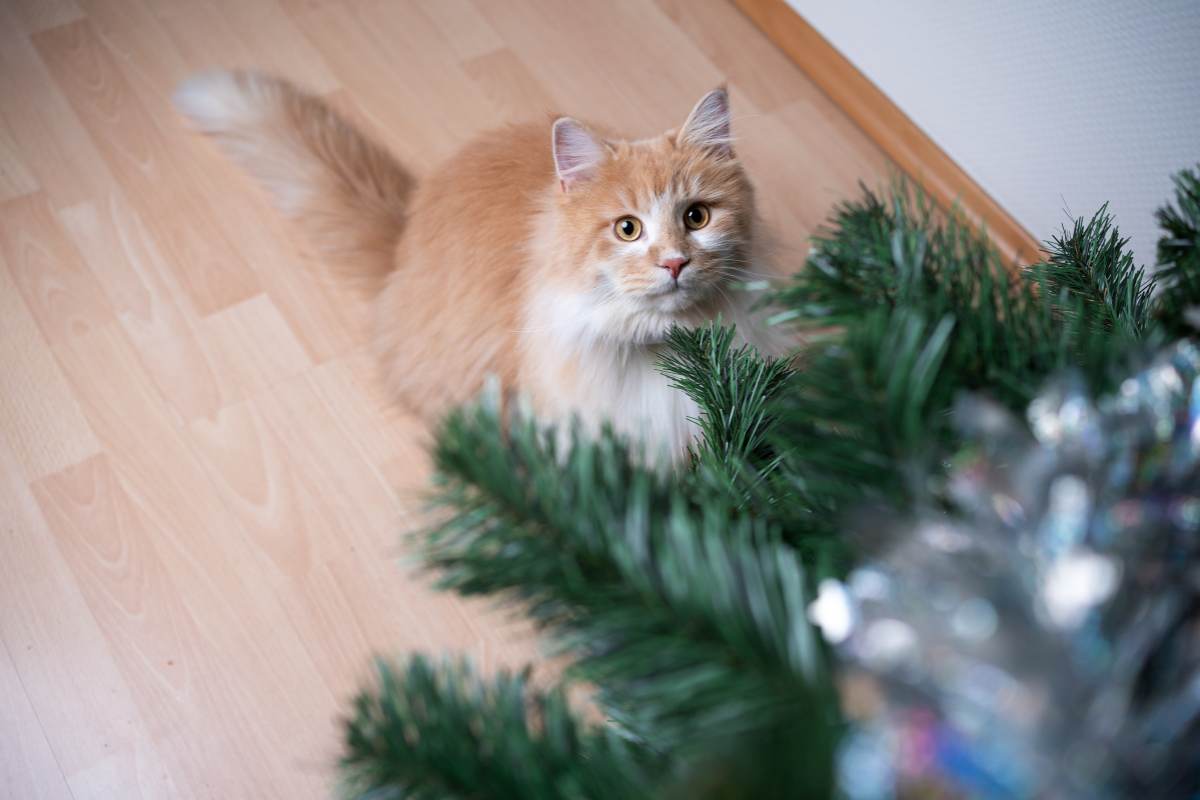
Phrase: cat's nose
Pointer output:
(675, 265)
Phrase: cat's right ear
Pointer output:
(577, 152)
(708, 125)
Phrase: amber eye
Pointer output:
(628, 228)
(696, 217)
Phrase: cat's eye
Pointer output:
(696, 217)
(628, 229)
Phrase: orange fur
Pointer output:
(504, 267)
(346, 192)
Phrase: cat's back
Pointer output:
(450, 311)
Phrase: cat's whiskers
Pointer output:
(741, 272)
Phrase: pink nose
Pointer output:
(675, 265)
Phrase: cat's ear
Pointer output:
(577, 152)
(708, 124)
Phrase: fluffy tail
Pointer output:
(347, 193)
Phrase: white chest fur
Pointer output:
(597, 361)
(627, 390)
(571, 368)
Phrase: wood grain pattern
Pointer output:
(15, 178)
(37, 15)
(463, 28)
(62, 294)
(44, 429)
(109, 547)
(203, 493)
(129, 264)
(27, 764)
(889, 127)
(209, 267)
(508, 83)
(86, 709)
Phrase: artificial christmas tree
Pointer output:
(688, 601)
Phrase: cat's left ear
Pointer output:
(708, 124)
(577, 152)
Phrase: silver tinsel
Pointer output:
(1042, 638)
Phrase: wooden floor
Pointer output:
(202, 495)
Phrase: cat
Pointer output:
(550, 256)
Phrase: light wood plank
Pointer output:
(150, 615)
(41, 426)
(461, 25)
(130, 265)
(38, 15)
(16, 179)
(514, 91)
(27, 764)
(270, 692)
(128, 260)
(61, 293)
(153, 66)
(254, 345)
(286, 495)
(311, 520)
(215, 361)
(269, 41)
(738, 49)
(208, 265)
(53, 144)
(374, 38)
(86, 709)
(389, 438)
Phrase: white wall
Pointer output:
(1052, 107)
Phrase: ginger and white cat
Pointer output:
(552, 257)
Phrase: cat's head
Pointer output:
(653, 228)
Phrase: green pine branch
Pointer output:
(922, 309)
(859, 418)
(688, 615)
(1179, 256)
(1009, 332)
(431, 731)
(1092, 263)
(733, 387)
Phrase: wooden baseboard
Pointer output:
(912, 150)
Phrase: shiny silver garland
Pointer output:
(1041, 639)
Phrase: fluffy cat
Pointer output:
(553, 257)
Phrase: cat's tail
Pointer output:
(347, 193)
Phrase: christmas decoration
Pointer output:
(1044, 641)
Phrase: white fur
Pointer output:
(595, 379)
(236, 109)
(217, 102)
